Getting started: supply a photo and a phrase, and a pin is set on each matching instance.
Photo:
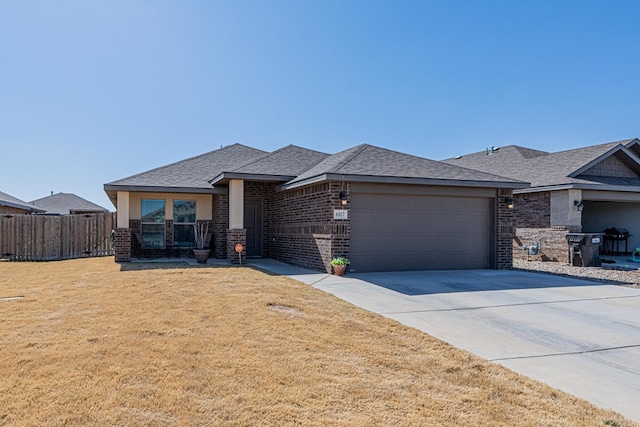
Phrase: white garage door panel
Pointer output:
(401, 232)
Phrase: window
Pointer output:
(184, 218)
(153, 222)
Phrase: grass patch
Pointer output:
(91, 344)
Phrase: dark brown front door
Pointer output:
(253, 224)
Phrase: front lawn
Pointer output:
(165, 344)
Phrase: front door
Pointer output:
(253, 224)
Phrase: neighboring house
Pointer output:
(67, 204)
(11, 205)
(383, 209)
(588, 189)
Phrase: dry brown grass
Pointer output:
(162, 345)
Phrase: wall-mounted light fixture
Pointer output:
(509, 202)
(343, 198)
(579, 205)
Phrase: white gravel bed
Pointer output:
(608, 274)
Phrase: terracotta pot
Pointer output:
(339, 270)
(202, 255)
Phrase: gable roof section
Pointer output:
(14, 202)
(580, 168)
(67, 203)
(190, 174)
(295, 166)
(282, 165)
(367, 163)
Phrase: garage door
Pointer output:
(417, 232)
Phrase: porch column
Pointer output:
(123, 209)
(236, 234)
(122, 244)
(564, 212)
(236, 204)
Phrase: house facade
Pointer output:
(590, 189)
(10, 205)
(383, 209)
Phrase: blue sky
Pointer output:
(93, 91)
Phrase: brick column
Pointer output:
(123, 245)
(235, 236)
(504, 230)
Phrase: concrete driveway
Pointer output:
(579, 336)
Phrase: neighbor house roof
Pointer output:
(571, 168)
(295, 166)
(374, 164)
(14, 202)
(67, 203)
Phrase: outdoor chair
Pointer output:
(148, 249)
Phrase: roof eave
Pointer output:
(23, 207)
(164, 189)
(405, 180)
(579, 186)
(629, 158)
(227, 176)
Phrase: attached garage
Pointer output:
(421, 228)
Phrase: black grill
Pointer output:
(616, 235)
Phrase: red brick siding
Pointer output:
(303, 230)
(220, 212)
(504, 230)
(234, 237)
(123, 244)
(532, 210)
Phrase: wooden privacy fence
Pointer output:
(48, 238)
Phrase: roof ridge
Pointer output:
(358, 149)
(269, 154)
(252, 161)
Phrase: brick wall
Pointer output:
(234, 237)
(8, 210)
(532, 210)
(220, 212)
(552, 240)
(504, 230)
(123, 244)
(303, 231)
(265, 192)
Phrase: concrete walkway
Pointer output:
(579, 336)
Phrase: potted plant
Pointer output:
(339, 265)
(201, 233)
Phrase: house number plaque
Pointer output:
(340, 214)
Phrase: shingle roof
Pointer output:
(297, 166)
(194, 172)
(14, 202)
(66, 203)
(370, 161)
(287, 162)
(542, 168)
